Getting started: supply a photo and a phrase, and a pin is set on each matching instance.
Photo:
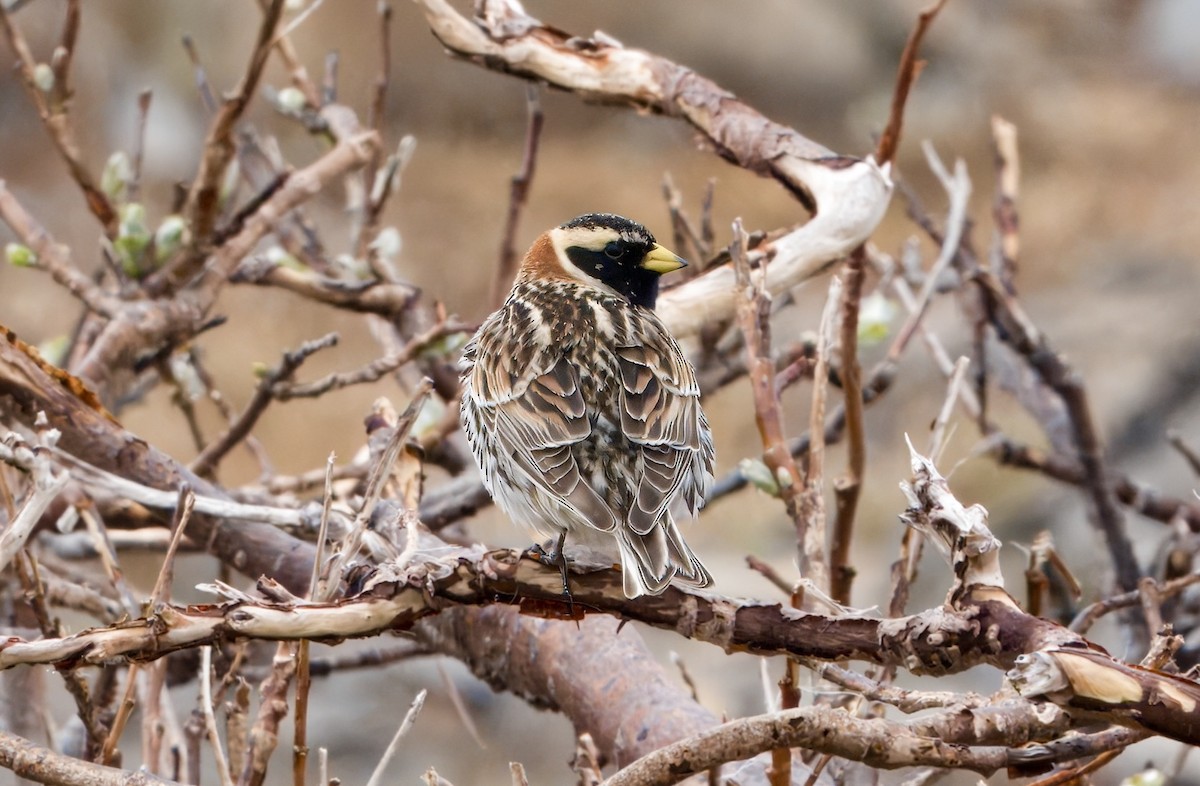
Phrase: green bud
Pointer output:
(19, 255)
(429, 417)
(133, 237)
(117, 174)
(875, 314)
(1147, 777)
(759, 475)
(278, 255)
(291, 100)
(229, 184)
(43, 77)
(54, 350)
(445, 346)
(388, 243)
(171, 234)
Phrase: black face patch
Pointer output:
(619, 265)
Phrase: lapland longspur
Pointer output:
(582, 412)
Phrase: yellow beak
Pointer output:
(660, 260)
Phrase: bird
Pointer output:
(583, 413)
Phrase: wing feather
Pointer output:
(531, 411)
(661, 416)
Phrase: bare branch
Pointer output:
(506, 266)
(55, 118)
(219, 148)
(410, 717)
(906, 76)
(53, 257)
(848, 487)
(849, 195)
(39, 764)
(208, 459)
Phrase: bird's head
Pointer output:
(605, 251)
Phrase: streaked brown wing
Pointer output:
(660, 412)
(528, 401)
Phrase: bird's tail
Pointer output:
(650, 562)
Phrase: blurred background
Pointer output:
(1106, 97)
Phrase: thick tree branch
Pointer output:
(39, 764)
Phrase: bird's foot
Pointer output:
(556, 558)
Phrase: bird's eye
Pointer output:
(613, 250)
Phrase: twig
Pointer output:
(685, 233)
(64, 55)
(1084, 620)
(387, 299)
(57, 122)
(377, 181)
(460, 705)
(37, 596)
(375, 486)
(42, 765)
(108, 558)
(907, 701)
(769, 573)
(1014, 328)
(906, 75)
(219, 147)
(876, 742)
(958, 188)
(237, 724)
(293, 25)
(1184, 449)
(506, 266)
(183, 512)
(240, 428)
(373, 371)
(53, 257)
(753, 315)
(272, 709)
(295, 66)
(303, 674)
(305, 481)
(1004, 211)
(586, 761)
(361, 659)
(811, 542)
(210, 719)
(409, 718)
(1078, 774)
(94, 478)
(223, 406)
(314, 582)
(139, 143)
(45, 489)
(124, 710)
(937, 436)
(1143, 500)
(848, 488)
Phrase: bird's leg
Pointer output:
(560, 556)
(557, 558)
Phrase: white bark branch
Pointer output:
(848, 195)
